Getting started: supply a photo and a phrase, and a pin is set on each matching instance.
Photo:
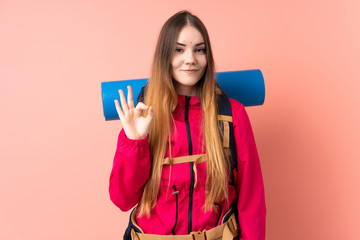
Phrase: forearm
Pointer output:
(131, 169)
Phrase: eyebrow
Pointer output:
(181, 44)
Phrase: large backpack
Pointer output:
(226, 127)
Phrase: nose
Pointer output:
(190, 57)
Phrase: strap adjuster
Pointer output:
(199, 235)
(232, 225)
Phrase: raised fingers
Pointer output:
(124, 105)
(118, 109)
(130, 97)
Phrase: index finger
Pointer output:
(130, 97)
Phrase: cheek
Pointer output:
(173, 69)
(204, 63)
(175, 63)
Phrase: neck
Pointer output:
(186, 90)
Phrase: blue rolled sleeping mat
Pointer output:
(246, 86)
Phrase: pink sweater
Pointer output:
(132, 165)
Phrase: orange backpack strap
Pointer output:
(226, 231)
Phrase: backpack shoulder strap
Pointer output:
(227, 132)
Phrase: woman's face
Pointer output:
(189, 61)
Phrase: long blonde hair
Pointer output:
(164, 104)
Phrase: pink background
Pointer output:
(57, 150)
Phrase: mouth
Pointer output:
(190, 70)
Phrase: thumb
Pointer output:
(149, 116)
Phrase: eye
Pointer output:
(178, 50)
(201, 50)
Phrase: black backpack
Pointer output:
(227, 129)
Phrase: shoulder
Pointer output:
(231, 107)
(235, 103)
(236, 107)
(239, 114)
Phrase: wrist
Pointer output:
(134, 136)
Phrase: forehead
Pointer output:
(190, 35)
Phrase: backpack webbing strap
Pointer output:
(225, 118)
(225, 125)
(226, 231)
(198, 158)
(225, 122)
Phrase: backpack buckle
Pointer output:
(199, 235)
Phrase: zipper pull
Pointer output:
(175, 192)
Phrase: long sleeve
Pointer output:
(131, 170)
(249, 184)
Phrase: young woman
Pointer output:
(173, 161)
